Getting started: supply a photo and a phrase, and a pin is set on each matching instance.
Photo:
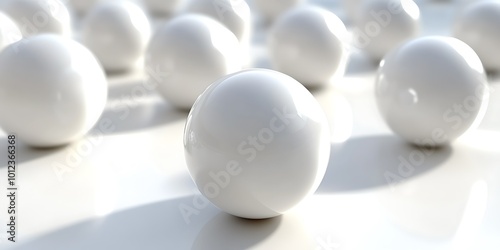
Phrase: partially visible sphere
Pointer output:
(384, 25)
(117, 32)
(35, 17)
(478, 25)
(162, 7)
(272, 9)
(431, 90)
(52, 90)
(234, 14)
(187, 54)
(9, 32)
(256, 143)
(308, 43)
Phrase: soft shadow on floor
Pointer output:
(225, 231)
(24, 152)
(375, 161)
(360, 63)
(158, 225)
(138, 116)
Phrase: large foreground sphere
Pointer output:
(256, 143)
(52, 90)
(431, 90)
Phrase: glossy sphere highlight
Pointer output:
(270, 10)
(188, 54)
(307, 43)
(234, 14)
(117, 33)
(162, 7)
(479, 27)
(431, 90)
(384, 25)
(256, 143)
(52, 90)
(9, 32)
(38, 16)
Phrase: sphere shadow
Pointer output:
(158, 225)
(360, 63)
(370, 162)
(25, 152)
(133, 107)
(225, 231)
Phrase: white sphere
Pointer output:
(162, 6)
(431, 90)
(234, 14)
(256, 143)
(52, 91)
(83, 6)
(479, 26)
(307, 43)
(38, 16)
(384, 25)
(187, 54)
(117, 33)
(9, 32)
(272, 9)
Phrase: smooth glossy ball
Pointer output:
(431, 90)
(308, 43)
(479, 26)
(384, 25)
(52, 91)
(270, 10)
(234, 14)
(35, 17)
(256, 143)
(162, 7)
(9, 32)
(188, 54)
(117, 33)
